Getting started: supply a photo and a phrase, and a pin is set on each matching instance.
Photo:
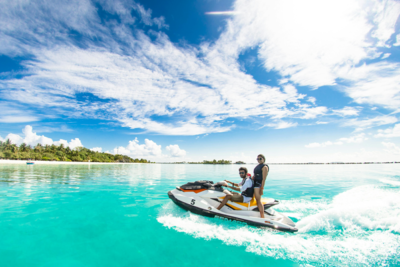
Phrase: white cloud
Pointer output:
(312, 112)
(386, 55)
(359, 138)
(282, 124)
(389, 132)
(134, 149)
(96, 149)
(31, 138)
(374, 84)
(309, 53)
(397, 40)
(175, 151)
(134, 77)
(325, 144)
(391, 148)
(15, 114)
(346, 111)
(228, 13)
(317, 43)
(369, 123)
(311, 99)
(149, 150)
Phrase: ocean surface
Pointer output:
(120, 215)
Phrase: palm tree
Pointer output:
(22, 147)
(38, 148)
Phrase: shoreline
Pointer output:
(301, 163)
(39, 162)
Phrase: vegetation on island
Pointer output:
(9, 150)
(221, 161)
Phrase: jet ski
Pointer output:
(203, 197)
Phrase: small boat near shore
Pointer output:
(30, 163)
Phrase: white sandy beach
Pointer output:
(9, 161)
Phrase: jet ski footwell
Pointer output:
(203, 202)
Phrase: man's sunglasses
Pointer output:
(241, 172)
(259, 158)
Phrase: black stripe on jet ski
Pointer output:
(226, 205)
(209, 213)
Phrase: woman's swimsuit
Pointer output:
(258, 174)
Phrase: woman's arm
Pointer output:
(264, 174)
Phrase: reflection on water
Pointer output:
(120, 215)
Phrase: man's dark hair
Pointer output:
(243, 169)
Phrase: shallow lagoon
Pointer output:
(120, 215)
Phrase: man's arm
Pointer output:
(234, 188)
(232, 183)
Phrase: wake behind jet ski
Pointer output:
(203, 197)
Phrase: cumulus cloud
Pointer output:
(389, 132)
(149, 149)
(391, 148)
(31, 138)
(134, 149)
(175, 151)
(96, 149)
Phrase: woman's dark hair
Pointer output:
(243, 169)
(262, 156)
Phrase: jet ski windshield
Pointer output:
(203, 184)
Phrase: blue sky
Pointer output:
(298, 81)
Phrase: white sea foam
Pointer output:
(299, 208)
(359, 209)
(359, 227)
(391, 182)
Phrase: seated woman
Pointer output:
(246, 187)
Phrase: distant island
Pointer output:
(301, 163)
(221, 161)
(9, 150)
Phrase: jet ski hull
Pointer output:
(213, 212)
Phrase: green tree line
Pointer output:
(221, 161)
(9, 150)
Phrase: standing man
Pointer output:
(246, 187)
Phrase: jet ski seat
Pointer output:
(252, 205)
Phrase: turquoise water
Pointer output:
(120, 215)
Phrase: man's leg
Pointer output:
(224, 201)
(237, 197)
